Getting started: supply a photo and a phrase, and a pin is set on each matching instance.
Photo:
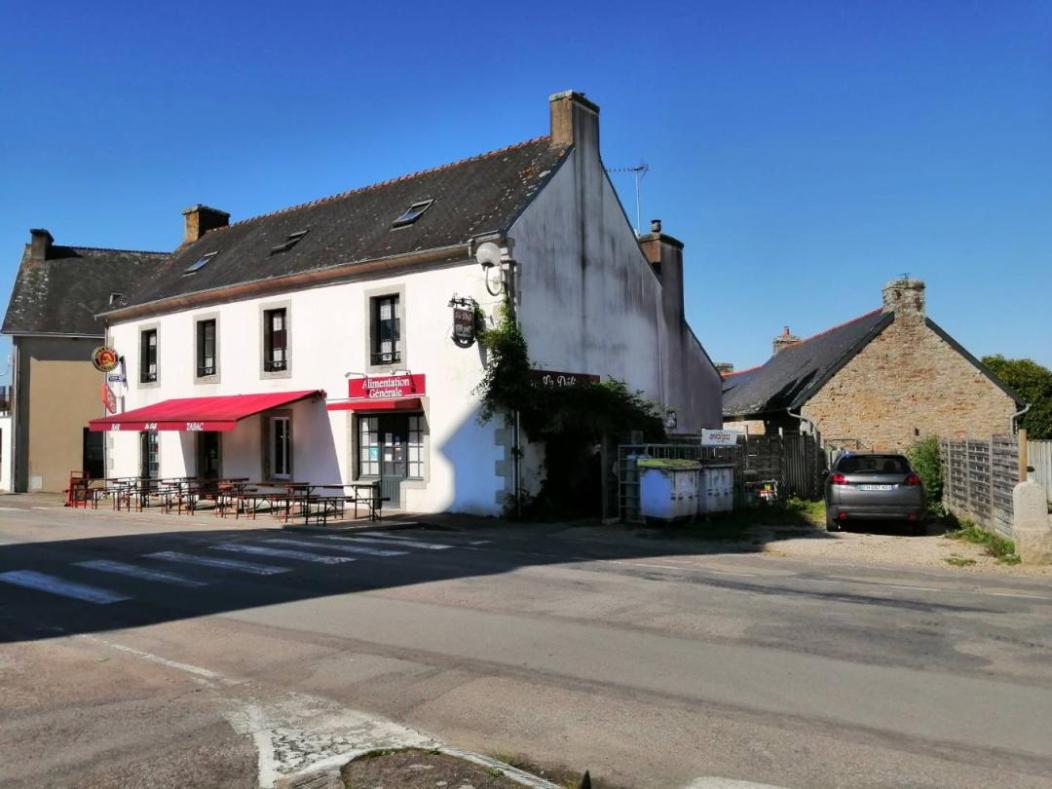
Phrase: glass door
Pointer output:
(208, 455)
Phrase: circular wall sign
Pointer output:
(105, 359)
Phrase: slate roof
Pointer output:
(64, 293)
(471, 197)
(789, 378)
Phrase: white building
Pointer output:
(339, 312)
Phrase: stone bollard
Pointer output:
(1031, 527)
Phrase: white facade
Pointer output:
(7, 457)
(328, 328)
(588, 302)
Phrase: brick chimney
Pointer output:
(574, 120)
(200, 219)
(665, 255)
(724, 368)
(784, 340)
(39, 244)
(905, 297)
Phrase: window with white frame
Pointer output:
(280, 447)
(415, 446)
(368, 447)
(275, 340)
(148, 356)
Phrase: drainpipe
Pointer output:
(1019, 414)
(802, 418)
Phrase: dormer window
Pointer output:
(413, 213)
(199, 264)
(116, 299)
(290, 241)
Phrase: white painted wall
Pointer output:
(591, 303)
(6, 457)
(328, 330)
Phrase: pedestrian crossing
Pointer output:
(102, 581)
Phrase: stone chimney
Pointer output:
(665, 255)
(574, 120)
(724, 368)
(784, 340)
(200, 219)
(39, 244)
(905, 297)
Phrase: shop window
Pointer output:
(148, 356)
(415, 447)
(368, 447)
(206, 348)
(275, 340)
(149, 454)
(280, 447)
(386, 330)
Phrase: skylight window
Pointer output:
(413, 213)
(199, 264)
(290, 241)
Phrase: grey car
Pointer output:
(873, 486)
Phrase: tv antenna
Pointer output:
(638, 171)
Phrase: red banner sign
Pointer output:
(387, 387)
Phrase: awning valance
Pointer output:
(220, 414)
(378, 404)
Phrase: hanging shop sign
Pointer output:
(465, 321)
(719, 438)
(105, 359)
(109, 399)
(554, 379)
(387, 387)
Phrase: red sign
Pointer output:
(108, 399)
(553, 379)
(387, 387)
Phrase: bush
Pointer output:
(926, 459)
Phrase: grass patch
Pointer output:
(735, 526)
(959, 561)
(560, 775)
(1000, 548)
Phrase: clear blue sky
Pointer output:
(805, 152)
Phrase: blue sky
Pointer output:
(805, 152)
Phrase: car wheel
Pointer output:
(831, 524)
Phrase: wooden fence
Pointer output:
(978, 478)
(1041, 459)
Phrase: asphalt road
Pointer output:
(139, 650)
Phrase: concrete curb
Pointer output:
(328, 777)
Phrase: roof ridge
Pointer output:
(110, 249)
(831, 329)
(380, 184)
(742, 372)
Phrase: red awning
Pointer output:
(219, 414)
(378, 404)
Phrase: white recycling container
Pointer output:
(668, 488)
(716, 492)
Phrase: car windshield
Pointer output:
(873, 464)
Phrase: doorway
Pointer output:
(390, 449)
(92, 457)
(208, 455)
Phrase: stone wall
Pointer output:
(906, 384)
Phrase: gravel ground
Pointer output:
(883, 548)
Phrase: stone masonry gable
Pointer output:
(907, 383)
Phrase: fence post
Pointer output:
(1024, 454)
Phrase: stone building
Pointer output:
(52, 322)
(879, 382)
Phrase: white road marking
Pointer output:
(281, 553)
(1019, 594)
(361, 549)
(914, 588)
(480, 542)
(30, 579)
(430, 546)
(11, 509)
(135, 571)
(196, 671)
(224, 564)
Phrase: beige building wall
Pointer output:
(906, 384)
(59, 393)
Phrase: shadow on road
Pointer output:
(182, 588)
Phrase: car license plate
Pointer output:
(874, 487)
